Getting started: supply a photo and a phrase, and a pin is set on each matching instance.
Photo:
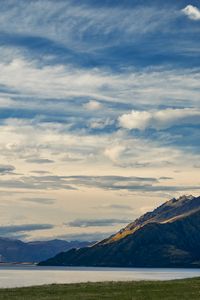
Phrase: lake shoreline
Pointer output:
(12, 276)
(173, 289)
(37, 266)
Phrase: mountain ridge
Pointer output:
(153, 216)
(167, 237)
(14, 250)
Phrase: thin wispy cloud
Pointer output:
(66, 82)
(6, 169)
(40, 160)
(12, 230)
(41, 201)
(76, 21)
(96, 223)
(92, 237)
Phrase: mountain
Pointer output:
(18, 251)
(167, 237)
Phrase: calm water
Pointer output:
(18, 276)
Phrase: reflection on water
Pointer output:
(18, 276)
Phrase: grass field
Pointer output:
(180, 289)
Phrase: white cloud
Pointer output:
(93, 105)
(161, 119)
(66, 82)
(54, 142)
(6, 102)
(114, 152)
(192, 12)
(78, 150)
(88, 151)
(46, 81)
(68, 23)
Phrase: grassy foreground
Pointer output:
(179, 289)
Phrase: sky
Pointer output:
(99, 113)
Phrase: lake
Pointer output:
(19, 276)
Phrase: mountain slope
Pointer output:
(167, 237)
(169, 211)
(18, 251)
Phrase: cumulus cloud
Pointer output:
(192, 12)
(96, 222)
(159, 120)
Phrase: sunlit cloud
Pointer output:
(93, 105)
(162, 119)
(192, 12)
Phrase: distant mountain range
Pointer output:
(18, 251)
(167, 237)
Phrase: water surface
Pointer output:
(19, 276)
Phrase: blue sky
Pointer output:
(99, 113)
